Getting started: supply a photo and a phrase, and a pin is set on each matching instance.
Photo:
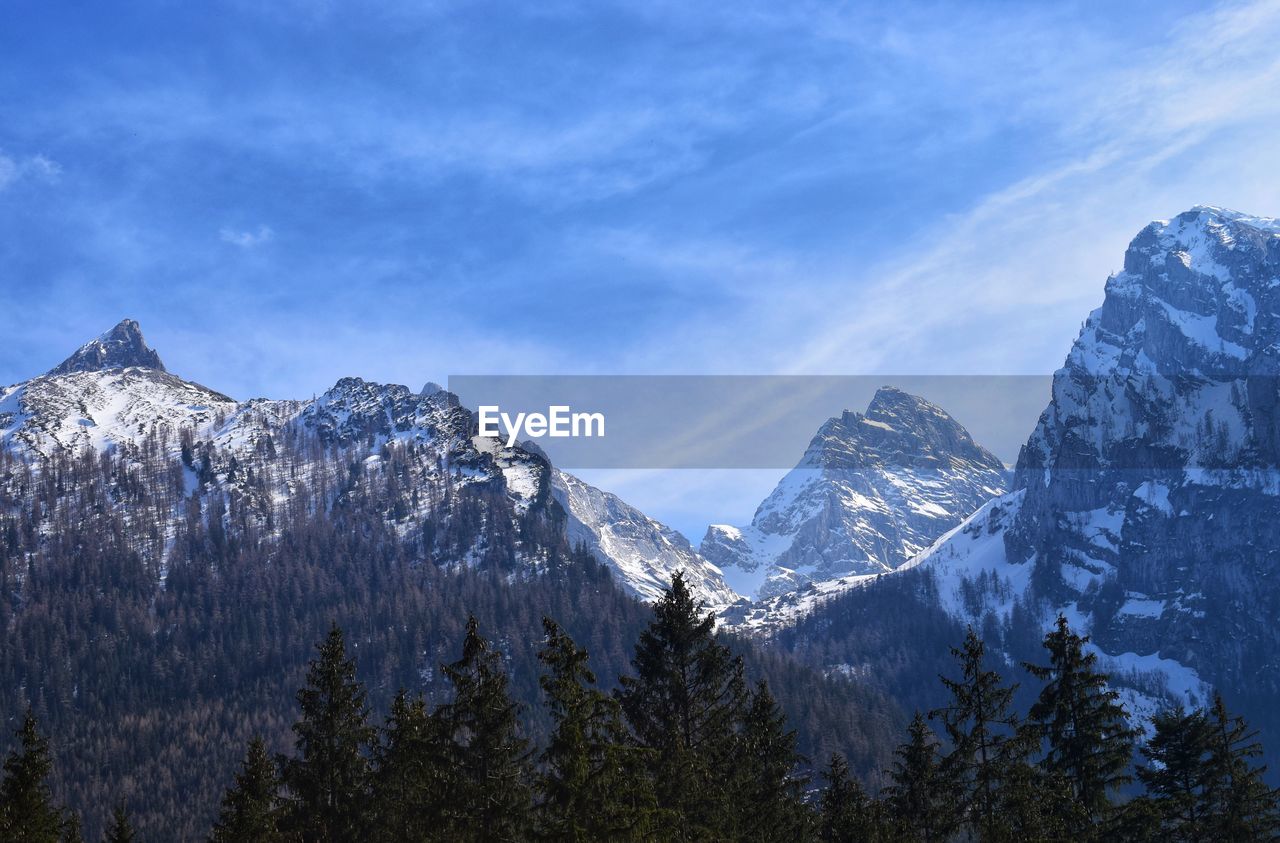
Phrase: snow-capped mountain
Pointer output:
(419, 450)
(642, 552)
(872, 490)
(1146, 502)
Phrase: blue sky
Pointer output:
(286, 193)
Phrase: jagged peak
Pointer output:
(896, 425)
(121, 347)
(890, 401)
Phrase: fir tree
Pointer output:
(489, 796)
(27, 812)
(593, 784)
(768, 796)
(683, 705)
(328, 782)
(985, 741)
(120, 830)
(1086, 732)
(411, 773)
(250, 807)
(922, 806)
(1241, 806)
(845, 813)
(1177, 776)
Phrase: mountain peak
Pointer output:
(889, 401)
(120, 348)
(898, 429)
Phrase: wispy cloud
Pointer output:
(248, 239)
(34, 167)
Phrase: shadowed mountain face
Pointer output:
(872, 490)
(1150, 495)
(120, 348)
(1146, 501)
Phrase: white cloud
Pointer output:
(38, 167)
(247, 239)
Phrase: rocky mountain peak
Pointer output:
(122, 347)
(898, 429)
(872, 490)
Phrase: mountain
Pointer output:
(114, 392)
(1146, 502)
(642, 552)
(120, 348)
(169, 557)
(871, 491)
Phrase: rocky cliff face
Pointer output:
(1147, 499)
(642, 552)
(871, 491)
(120, 348)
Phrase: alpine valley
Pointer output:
(169, 555)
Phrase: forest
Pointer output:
(158, 607)
(687, 748)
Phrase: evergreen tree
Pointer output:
(489, 796)
(1177, 777)
(985, 740)
(120, 830)
(1085, 729)
(922, 805)
(684, 705)
(71, 830)
(411, 774)
(1241, 806)
(328, 782)
(767, 795)
(846, 814)
(250, 807)
(593, 784)
(27, 812)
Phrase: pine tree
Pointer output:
(71, 830)
(120, 830)
(250, 807)
(411, 774)
(489, 798)
(922, 805)
(593, 784)
(1177, 776)
(684, 705)
(1241, 806)
(985, 741)
(845, 813)
(328, 783)
(767, 795)
(27, 812)
(1085, 729)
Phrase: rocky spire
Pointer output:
(119, 348)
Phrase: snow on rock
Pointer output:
(120, 348)
(643, 553)
(114, 392)
(870, 492)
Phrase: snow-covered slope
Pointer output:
(114, 393)
(642, 552)
(871, 491)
